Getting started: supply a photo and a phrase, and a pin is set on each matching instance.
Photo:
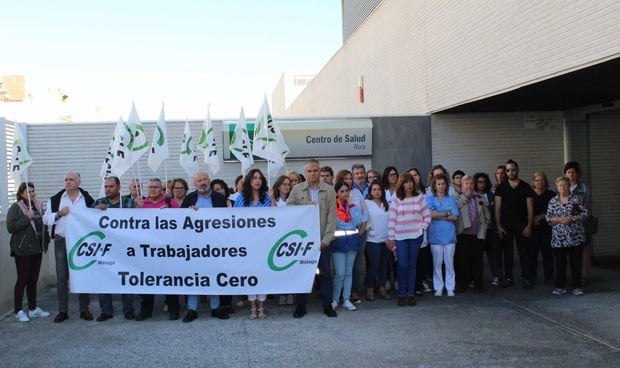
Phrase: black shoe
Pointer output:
(300, 311)
(86, 315)
(507, 283)
(527, 285)
(104, 317)
(61, 317)
(174, 315)
(130, 315)
(329, 311)
(411, 301)
(402, 301)
(143, 315)
(190, 316)
(219, 313)
(227, 309)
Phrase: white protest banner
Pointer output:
(211, 251)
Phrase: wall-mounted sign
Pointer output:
(316, 138)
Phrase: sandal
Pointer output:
(261, 313)
(253, 314)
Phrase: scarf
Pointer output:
(344, 211)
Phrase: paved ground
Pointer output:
(499, 328)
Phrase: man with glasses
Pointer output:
(204, 197)
(514, 214)
(156, 199)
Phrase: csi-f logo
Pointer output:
(89, 245)
(288, 247)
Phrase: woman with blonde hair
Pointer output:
(566, 213)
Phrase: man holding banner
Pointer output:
(203, 197)
(157, 199)
(315, 192)
(113, 199)
(59, 206)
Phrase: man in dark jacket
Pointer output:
(59, 206)
(203, 197)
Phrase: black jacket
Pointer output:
(217, 199)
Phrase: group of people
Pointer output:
(381, 233)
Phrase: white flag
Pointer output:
(265, 143)
(240, 144)
(106, 166)
(121, 149)
(159, 147)
(188, 157)
(207, 144)
(21, 155)
(138, 144)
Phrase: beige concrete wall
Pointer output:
(425, 56)
(9, 274)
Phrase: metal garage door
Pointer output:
(604, 130)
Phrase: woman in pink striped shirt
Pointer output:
(409, 218)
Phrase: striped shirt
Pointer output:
(409, 217)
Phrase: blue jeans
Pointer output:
(192, 302)
(407, 254)
(105, 303)
(343, 277)
(377, 255)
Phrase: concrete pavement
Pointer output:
(499, 328)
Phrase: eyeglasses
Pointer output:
(512, 170)
(179, 188)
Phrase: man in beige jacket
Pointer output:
(316, 193)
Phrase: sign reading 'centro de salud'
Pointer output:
(316, 138)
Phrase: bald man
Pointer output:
(59, 206)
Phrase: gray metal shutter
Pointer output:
(604, 134)
(481, 141)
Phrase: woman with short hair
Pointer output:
(178, 190)
(566, 213)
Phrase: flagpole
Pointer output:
(27, 191)
(166, 175)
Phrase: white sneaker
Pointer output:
(37, 313)
(334, 304)
(450, 293)
(282, 300)
(21, 316)
(348, 305)
(439, 293)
